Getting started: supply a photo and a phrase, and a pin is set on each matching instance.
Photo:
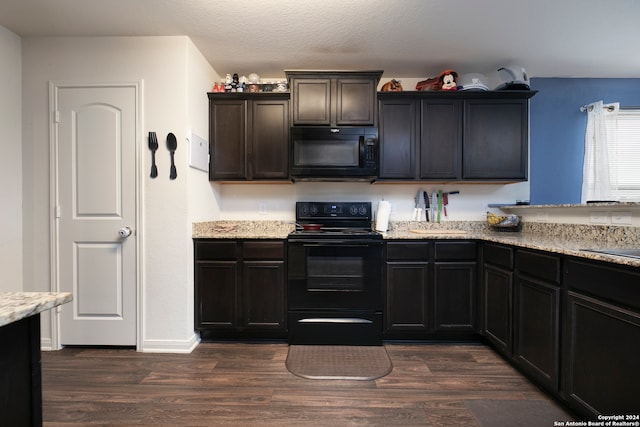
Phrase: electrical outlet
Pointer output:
(600, 217)
(621, 218)
(262, 208)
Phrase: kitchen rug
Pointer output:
(517, 413)
(338, 362)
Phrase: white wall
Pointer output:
(165, 65)
(244, 201)
(11, 169)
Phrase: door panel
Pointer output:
(95, 139)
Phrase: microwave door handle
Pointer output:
(362, 151)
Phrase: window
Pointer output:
(624, 154)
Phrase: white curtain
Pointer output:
(597, 175)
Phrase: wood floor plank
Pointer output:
(243, 384)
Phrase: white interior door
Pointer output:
(96, 137)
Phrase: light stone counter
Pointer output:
(15, 306)
(242, 229)
(566, 239)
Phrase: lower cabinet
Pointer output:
(431, 289)
(240, 288)
(521, 303)
(497, 297)
(455, 282)
(536, 346)
(20, 373)
(601, 339)
(407, 312)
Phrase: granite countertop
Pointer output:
(15, 306)
(242, 229)
(567, 239)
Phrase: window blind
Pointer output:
(624, 155)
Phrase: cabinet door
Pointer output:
(216, 294)
(601, 374)
(355, 102)
(228, 139)
(269, 136)
(440, 139)
(455, 296)
(407, 296)
(497, 307)
(311, 101)
(495, 139)
(537, 335)
(397, 135)
(263, 289)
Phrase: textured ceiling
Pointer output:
(405, 38)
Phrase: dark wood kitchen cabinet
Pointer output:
(398, 136)
(408, 285)
(440, 139)
(20, 373)
(461, 136)
(495, 135)
(333, 98)
(497, 296)
(521, 303)
(536, 347)
(601, 338)
(430, 289)
(419, 139)
(240, 288)
(455, 294)
(249, 136)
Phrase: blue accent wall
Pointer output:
(557, 129)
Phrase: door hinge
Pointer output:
(56, 212)
(56, 116)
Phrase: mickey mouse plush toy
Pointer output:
(447, 80)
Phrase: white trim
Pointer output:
(54, 86)
(171, 346)
(46, 344)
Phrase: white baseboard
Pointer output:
(46, 344)
(170, 346)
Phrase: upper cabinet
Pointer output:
(495, 139)
(249, 136)
(459, 136)
(333, 98)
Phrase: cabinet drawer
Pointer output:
(407, 251)
(498, 255)
(215, 250)
(267, 249)
(455, 251)
(613, 284)
(546, 267)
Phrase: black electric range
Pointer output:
(335, 276)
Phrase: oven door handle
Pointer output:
(334, 320)
(362, 246)
(340, 243)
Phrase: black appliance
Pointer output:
(335, 276)
(334, 154)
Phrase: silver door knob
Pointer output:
(124, 232)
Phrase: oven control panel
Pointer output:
(331, 210)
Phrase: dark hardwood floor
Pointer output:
(243, 384)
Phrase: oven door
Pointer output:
(335, 275)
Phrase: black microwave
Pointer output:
(334, 154)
